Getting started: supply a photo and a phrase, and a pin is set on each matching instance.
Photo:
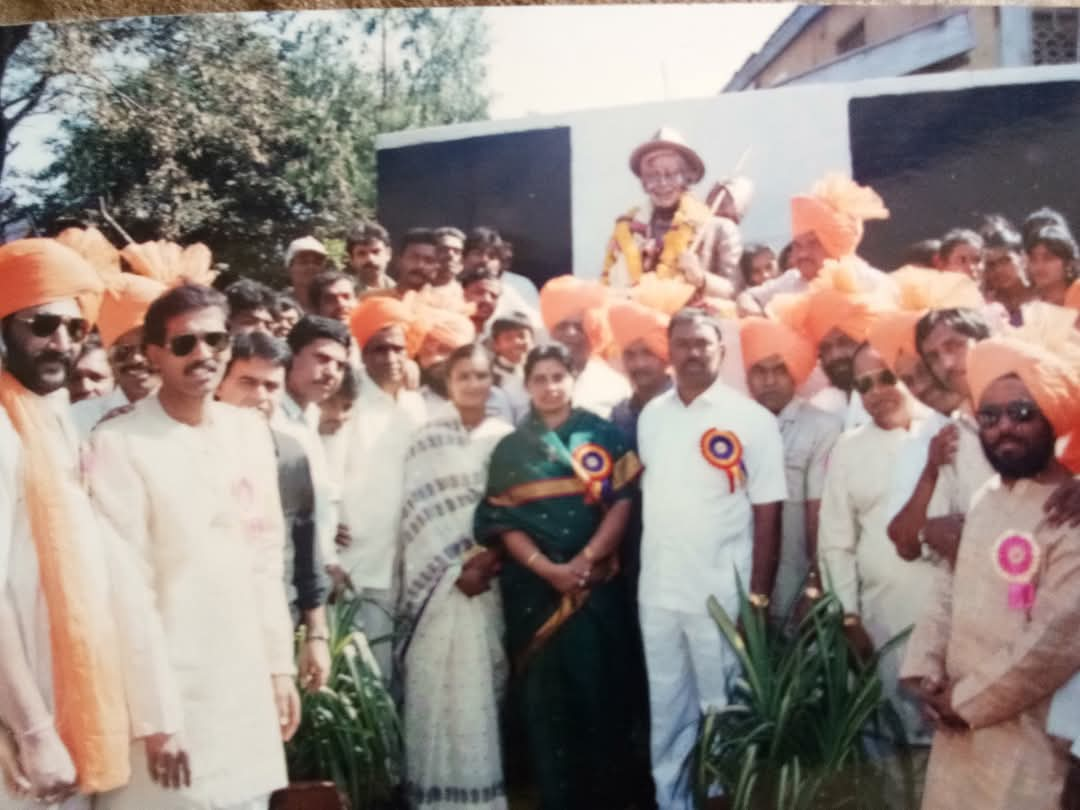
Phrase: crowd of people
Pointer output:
(533, 493)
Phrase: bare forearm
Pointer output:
(766, 554)
(315, 622)
(911, 519)
(609, 535)
(22, 707)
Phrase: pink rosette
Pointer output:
(1016, 558)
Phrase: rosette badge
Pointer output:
(1016, 559)
(723, 450)
(597, 465)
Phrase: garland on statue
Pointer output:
(690, 217)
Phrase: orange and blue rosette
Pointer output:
(597, 465)
(723, 450)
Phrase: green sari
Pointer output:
(556, 486)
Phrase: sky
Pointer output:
(551, 59)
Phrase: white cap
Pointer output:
(305, 244)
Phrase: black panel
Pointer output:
(943, 159)
(517, 183)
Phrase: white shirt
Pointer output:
(303, 425)
(910, 461)
(869, 279)
(850, 408)
(1064, 717)
(599, 388)
(86, 414)
(373, 480)
(698, 520)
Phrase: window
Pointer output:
(854, 38)
(1054, 35)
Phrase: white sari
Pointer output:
(451, 647)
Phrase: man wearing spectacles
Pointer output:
(189, 486)
(999, 638)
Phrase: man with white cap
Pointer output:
(304, 259)
(674, 235)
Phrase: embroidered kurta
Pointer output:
(1005, 662)
(199, 509)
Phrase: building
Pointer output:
(845, 43)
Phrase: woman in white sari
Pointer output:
(450, 646)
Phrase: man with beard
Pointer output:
(120, 324)
(450, 252)
(368, 249)
(713, 484)
(79, 663)
(305, 259)
(778, 361)
(250, 307)
(320, 357)
(417, 263)
(999, 636)
(373, 474)
(334, 295)
(91, 377)
(189, 485)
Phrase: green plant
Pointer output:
(804, 720)
(349, 730)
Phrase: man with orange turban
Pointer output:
(77, 663)
(826, 224)
(123, 307)
(1000, 636)
(778, 362)
(575, 313)
(389, 332)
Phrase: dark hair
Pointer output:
(922, 253)
(349, 389)
(282, 302)
(482, 239)
(262, 346)
(179, 301)
(956, 237)
(468, 351)
(366, 232)
(548, 351)
(418, 236)
(246, 295)
(1058, 241)
(694, 315)
(314, 327)
(1039, 219)
(785, 257)
(968, 322)
(468, 277)
(746, 261)
(449, 230)
(91, 344)
(324, 281)
(995, 223)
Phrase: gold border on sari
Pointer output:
(626, 470)
(538, 491)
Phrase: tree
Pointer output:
(245, 132)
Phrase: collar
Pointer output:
(713, 395)
(291, 409)
(635, 404)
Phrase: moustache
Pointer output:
(52, 356)
(201, 365)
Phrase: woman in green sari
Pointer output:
(558, 498)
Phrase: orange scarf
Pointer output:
(88, 683)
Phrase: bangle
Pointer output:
(533, 556)
(588, 554)
(758, 600)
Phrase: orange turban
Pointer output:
(668, 295)
(762, 338)
(833, 301)
(1045, 354)
(893, 334)
(921, 289)
(91, 244)
(566, 298)
(171, 264)
(39, 271)
(127, 297)
(835, 210)
(631, 322)
(450, 328)
(378, 312)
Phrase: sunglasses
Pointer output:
(183, 345)
(45, 324)
(126, 352)
(866, 383)
(1018, 411)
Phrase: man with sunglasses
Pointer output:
(66, 640)
(999, 638)
(189, 486)
(120, 321)
(388, 413)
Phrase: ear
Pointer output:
(155, 354)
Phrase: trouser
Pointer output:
(689, 665)
(376, 619)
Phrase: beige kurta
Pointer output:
(858, 560)
(200, 510)
(1005, 663)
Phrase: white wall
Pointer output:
(796, 135)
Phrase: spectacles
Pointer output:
(183, 345)
(45, 324)
(670, 178)
(866, 382)
(125, 352)
(1018, 411)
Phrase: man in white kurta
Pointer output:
(190, 486)
(712, 487)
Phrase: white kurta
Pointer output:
(89, 412)
(199, 508)
(599, 388)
